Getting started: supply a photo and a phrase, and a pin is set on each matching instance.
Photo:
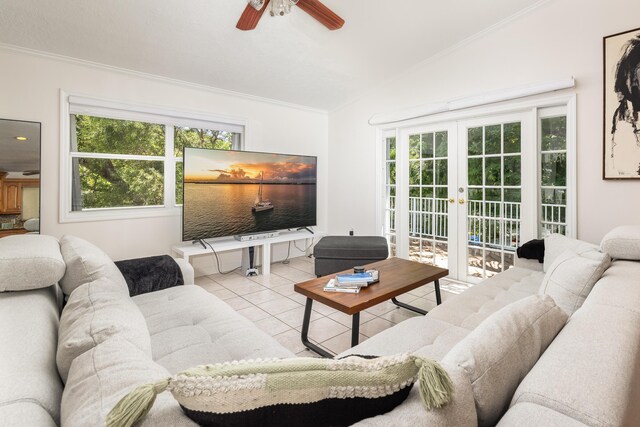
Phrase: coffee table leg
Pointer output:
(416, 309)
(355, 329)
(409, 307)
(305, 332)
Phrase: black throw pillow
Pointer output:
(533, 249)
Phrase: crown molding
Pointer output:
(157, 78)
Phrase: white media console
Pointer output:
(187, 250)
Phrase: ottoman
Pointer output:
(337, 253)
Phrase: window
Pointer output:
(127, 161)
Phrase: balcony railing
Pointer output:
(492, 223)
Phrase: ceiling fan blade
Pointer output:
(322, 13)
(250, 17)
(31, 172)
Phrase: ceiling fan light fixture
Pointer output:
(281, 7)
(256, 4)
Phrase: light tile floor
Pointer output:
(273, 305)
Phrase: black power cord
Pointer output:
(218, 260)
(286, 260)
(305, 249)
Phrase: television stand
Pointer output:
(187, 250)
(305, 228)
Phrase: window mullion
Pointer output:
(82, 155)
(169, 167)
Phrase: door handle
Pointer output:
(452, 200)
(461, 201)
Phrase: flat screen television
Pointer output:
(229, 192)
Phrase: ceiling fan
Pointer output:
(254, 10)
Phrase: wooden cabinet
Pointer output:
(11, 194)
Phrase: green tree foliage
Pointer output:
(101, 135)
(108, 183)
(201, 138)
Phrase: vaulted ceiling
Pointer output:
(291, 58)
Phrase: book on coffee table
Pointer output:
(333, 286)
(361, 279)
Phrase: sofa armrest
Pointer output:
(531, 264)
(187, 271)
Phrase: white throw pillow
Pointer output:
(500, 352)
(85, 263)
(102, 375)
(622, 242)
(571, 277)
(555, 244)
(29, 261)
(95, 312)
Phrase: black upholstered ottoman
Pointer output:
(337, 253)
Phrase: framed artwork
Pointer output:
(622, 105)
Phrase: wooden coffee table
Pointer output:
(397, 276)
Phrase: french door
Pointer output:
(467, 190)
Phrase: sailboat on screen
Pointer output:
(261, 205)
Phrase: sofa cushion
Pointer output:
(85, 263)
(460, 412)
(590, 371)
(473, 306)
(500, 352)
(531, 415)
(305, 391)
(555, 244)
(622, 242)
(28, 371)
(15, 415)
(100, 377)
(95, 312)
(619, 287)
(422, 335)
(29, 261)
(571, 277)
(190, 327)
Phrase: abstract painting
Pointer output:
(622, 105)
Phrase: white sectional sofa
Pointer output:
(588, 375)
(185, 326)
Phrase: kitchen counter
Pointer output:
(12, 231)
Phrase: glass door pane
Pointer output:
(494, 196)
(553, 175)
(390, 195)
(428, 198)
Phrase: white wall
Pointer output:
(561, 38)
(29, 90)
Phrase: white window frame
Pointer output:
(72, 103)
(539, 107)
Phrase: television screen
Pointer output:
(228, 193)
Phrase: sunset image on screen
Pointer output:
(221, 166)
(230, 193)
